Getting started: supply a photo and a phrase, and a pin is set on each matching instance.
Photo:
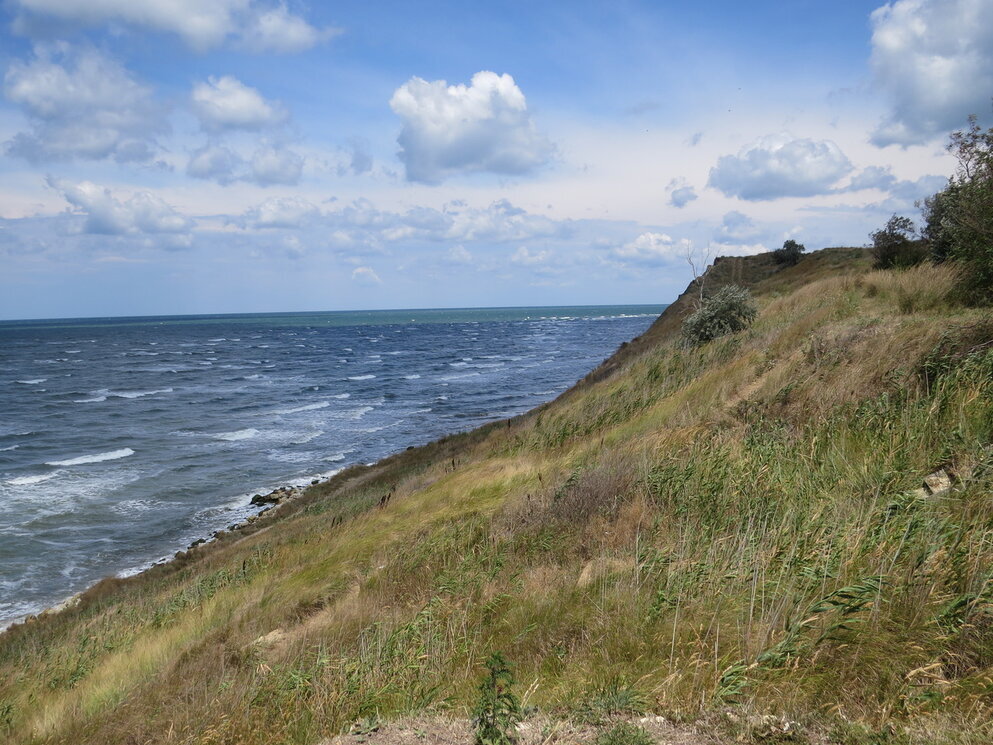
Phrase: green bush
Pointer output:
(789, 254)
(959, 218)
(896, 246)
(497, 711)
(727, 311)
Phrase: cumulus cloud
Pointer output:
(526, 257)
(780, 166)
(735, 228)
(276, 165)
(365, 275)
(226, 103)
(457, 129)
(680, 193)
(873, 177)
(215, 163)
(202, 25)
(142, 212)
(282, 212)
(933, 59)
(651, 249)
(278, 30)
(82, 105)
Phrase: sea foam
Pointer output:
(95, 458)
(240, 434)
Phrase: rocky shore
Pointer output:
(271, 503)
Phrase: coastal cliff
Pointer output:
(726, 543)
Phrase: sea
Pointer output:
(122, 440)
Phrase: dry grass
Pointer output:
(729, 526)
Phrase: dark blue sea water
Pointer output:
(122, 440)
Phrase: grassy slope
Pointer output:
(684, 531)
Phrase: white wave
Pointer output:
(308, 407)
(411, 377)
(459, 377)
(12, 447)
(342, 395)
(29, 480)
(239, 434)
(95, 458)
(103, 394)
(358, 413)
(361, 377)
(33, 381)
(307, 437)
(73, 351)
(138, 394)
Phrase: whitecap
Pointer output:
(12, 447)
(138, 394)
(358, 413)
(30, 480)
(94, 400)
(95, 458)
(307, 437)
(361, 377)
(308, 407)
(342, 395)
(33, 381)
(459, 377)
(411, 377)
(240, 434)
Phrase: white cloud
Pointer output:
(365, 275)
(525, 257)
(276, 165)
(680, 193)
(934, 61)
(142, 212)
(214, 162)
(736, 228)
(227, 103)
(458, 129)
(651, 249)
(202, 25)
(780, 166)
(282, 212)
(81, 104)
(278, 30)
(459, 255)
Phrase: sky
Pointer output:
(180, 157)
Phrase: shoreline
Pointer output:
(268, 503)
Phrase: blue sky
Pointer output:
(162, 157)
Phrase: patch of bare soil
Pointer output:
(440, 730)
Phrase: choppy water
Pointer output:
(122, 440)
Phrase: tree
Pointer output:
(789, 254)
(959, 218)
(896, 245)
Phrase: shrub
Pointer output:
(959, 218)
(896, 246)
(497, 712)
(789, 254)
(727, 311)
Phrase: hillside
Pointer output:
(735, 537)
